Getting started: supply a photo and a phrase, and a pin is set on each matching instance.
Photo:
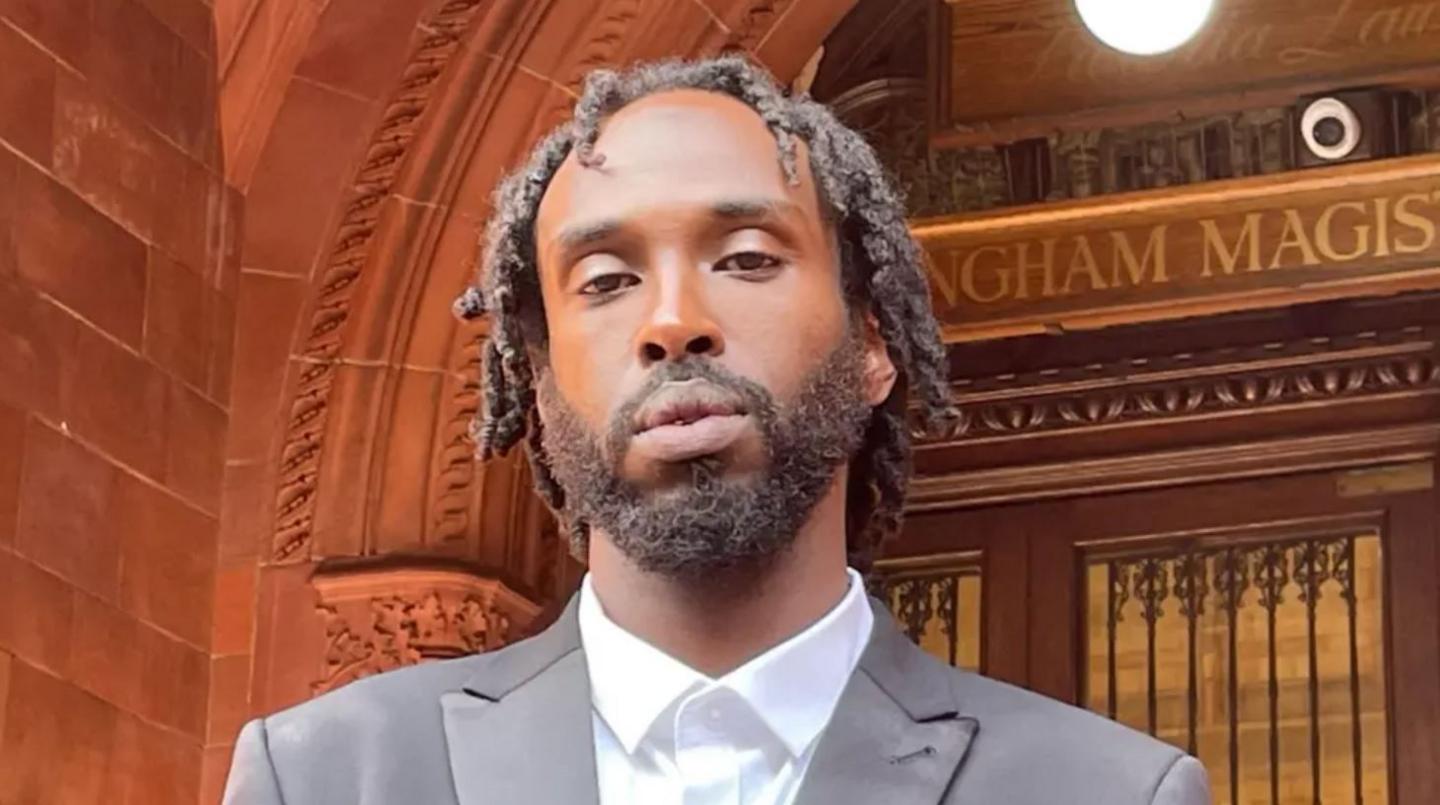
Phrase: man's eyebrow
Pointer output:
(577, 237)
(753, 209)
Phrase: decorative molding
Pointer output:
(378, 620)
(1102, 161)
(605, 40)
(1270, 376)
(1424, 128)
(1174, 467)
(890, 115)
(453, 487)
(1188, 574)
(300, 453)
(757, 23)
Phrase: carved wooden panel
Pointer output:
(1192, 385)
(1163, 404)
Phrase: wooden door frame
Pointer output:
(1004, 555)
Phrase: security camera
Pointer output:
(1331, 129)
(1350, 125)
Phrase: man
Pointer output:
(707, 319)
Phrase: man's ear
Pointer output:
(879, 371)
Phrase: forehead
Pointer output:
(671, 151)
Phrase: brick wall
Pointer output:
(117, 289)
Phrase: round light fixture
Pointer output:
(1144, 27)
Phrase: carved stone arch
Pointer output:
(366, 459)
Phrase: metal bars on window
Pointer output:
(937, 601)
(1263, 659)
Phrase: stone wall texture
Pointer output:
(117, 299)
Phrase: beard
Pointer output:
(706, 523)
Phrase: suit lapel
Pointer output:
(521, 730)
(897, 734)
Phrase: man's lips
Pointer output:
(686, 420)
(675, 443)
(685, 403)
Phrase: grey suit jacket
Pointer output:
(514, 726)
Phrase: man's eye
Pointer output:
(747, 261)
(608, 284)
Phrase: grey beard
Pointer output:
(711, 524)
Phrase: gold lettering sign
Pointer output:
(1316, 234)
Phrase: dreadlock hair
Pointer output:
(881, 270)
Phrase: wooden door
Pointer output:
(1284, 629)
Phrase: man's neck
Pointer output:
(717, 625)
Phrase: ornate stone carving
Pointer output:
(605, 40)
(455, 477)
(1425, 123)
(1266, 376)
(300, 454)
(1115, 160)
(1077, 165)
(757, 22)
(890, 114)
(379, 620)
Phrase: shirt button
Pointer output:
(713, 713)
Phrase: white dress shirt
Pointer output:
(666, 733)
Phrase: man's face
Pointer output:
(699, 342)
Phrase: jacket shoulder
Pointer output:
(376, 708)
(408, 691)
(374, 737)
(1030, 747)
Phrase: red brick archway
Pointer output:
(366, 140)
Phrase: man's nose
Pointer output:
(680, 324)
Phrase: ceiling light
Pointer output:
(1144, 27)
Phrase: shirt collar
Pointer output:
(631, 681)
(794, 686)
